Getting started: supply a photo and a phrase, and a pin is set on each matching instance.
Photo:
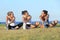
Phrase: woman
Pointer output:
(10, 18)
(44, 18)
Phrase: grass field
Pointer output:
(30, 34)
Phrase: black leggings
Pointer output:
(19, 25)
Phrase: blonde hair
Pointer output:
(10, 12)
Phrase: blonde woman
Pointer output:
(10, 18)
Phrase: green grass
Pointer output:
(58, 25)
(30, 34)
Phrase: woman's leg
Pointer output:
(19, 25)
(9, 27)
(32, 26)
(24, 25)
(54, 23)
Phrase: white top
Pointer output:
(11, 24)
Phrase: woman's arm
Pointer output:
(29, 18)
(12, 19)
(24, 18)
(46, 17)
(41, 19)
(6, 19)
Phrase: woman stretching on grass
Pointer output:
(45, 20)
(26, 19)
(10, 18)
(10, 21)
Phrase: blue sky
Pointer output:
(34, 8)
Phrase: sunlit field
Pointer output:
(30, 34)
